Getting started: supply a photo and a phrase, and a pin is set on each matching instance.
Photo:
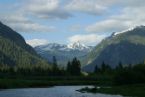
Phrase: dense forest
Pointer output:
(73, 68)
(122, 74)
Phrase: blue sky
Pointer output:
(68, 21)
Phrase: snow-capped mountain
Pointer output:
(76, 46)
(79, 46)
(63, 52)
(114, 34)
(130, 29)
(127, 47)
(51, 46)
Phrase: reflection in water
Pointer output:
(58, 91)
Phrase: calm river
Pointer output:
(57, 91)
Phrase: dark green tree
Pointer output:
(74, 67)
(55, 69)
(97, 69)
(103, 66)
(69, 68)
(120, 66)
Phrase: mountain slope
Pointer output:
(127, 47)
(14, 51)
(62, 52)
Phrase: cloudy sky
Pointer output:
(68, 21)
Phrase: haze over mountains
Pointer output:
(62, 52)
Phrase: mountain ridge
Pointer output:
(109, 49)
(14, 51)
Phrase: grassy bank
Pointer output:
(137, 90)
(37, 81)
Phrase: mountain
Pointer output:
(127, 47)
(62, 52)
(80, 47)
(14, 51)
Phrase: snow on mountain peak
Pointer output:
(77, 45)
(130, 29)
(62, 47)
(116, 33)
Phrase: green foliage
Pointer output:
(74, 67)
(125, 90)
(69, 67)
(119, 67)
(12, 54)
(122, 75)
(104, 69)
(15, 52)
(97, 69)
(130, 75)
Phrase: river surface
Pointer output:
(57, 91)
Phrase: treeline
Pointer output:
(122, 74)
(73, 69)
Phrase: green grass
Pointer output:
(137, 90)
(27, 82)
(46, 81)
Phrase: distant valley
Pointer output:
(62, 52)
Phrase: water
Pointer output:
(58, 91)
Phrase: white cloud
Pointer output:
(21, 23)
(87, 38)
(14, 18)
(43, 5)
(95, 7)
(29, 15)
(110, 25)
(46, 9)
(131, 3)
(32, 27)
(26, 15)
(37, 42)
(128, 17)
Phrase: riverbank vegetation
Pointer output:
(134, 90)
(123, 79)
(126, 80)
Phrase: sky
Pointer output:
(68, 21)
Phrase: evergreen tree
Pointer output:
(68, 69)
(54, 60)
(103, 67)
(55, 69)
(119, 67)
(130, 66)
(74, 67)
(96, 70)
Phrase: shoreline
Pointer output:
(25, 83)
(135, 90)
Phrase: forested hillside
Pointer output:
(15, 52)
